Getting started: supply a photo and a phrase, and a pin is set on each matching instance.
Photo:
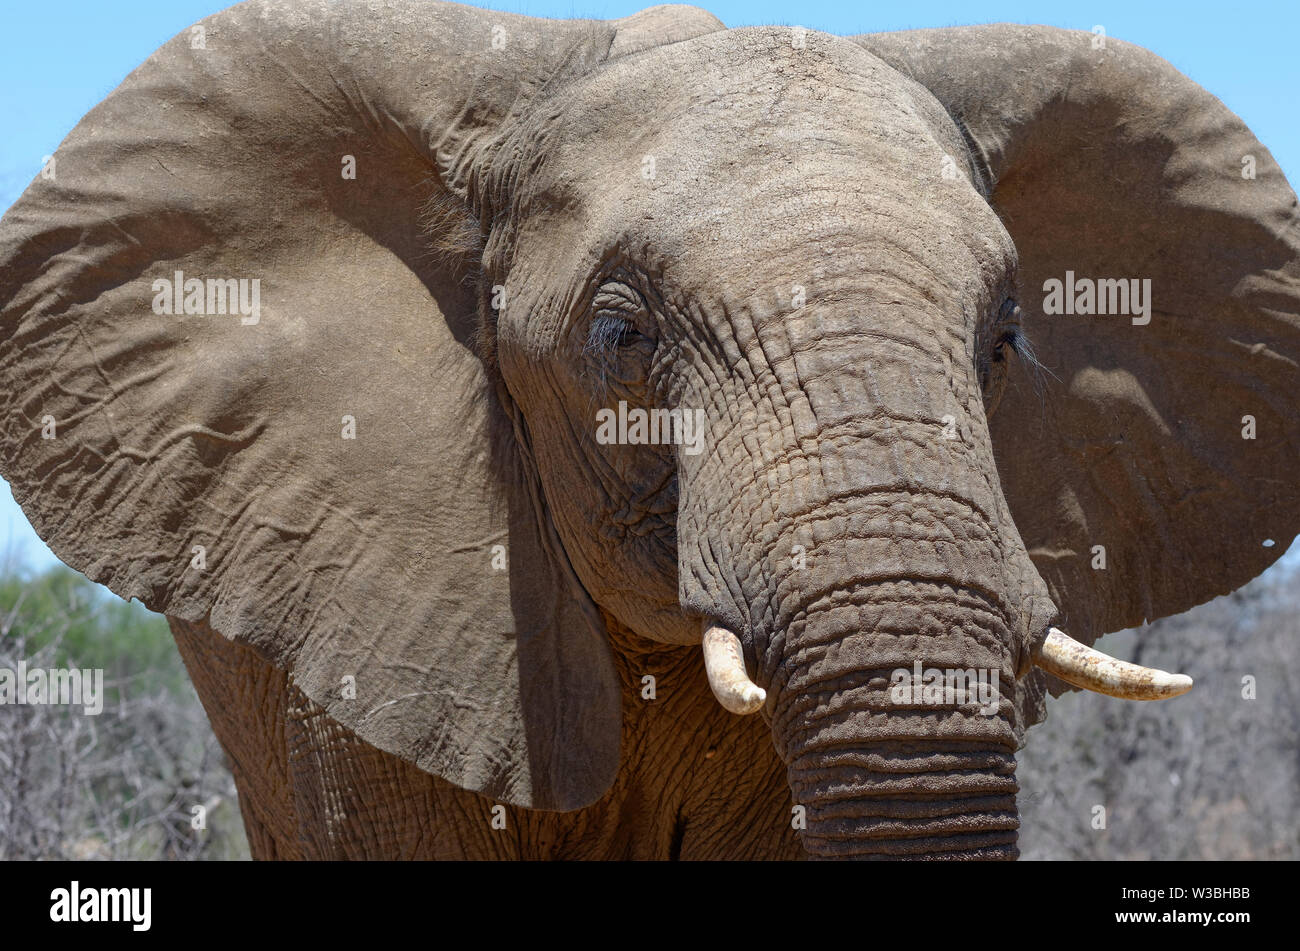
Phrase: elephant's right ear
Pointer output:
(238, 379)
(1151, 463)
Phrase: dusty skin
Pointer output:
(430, 614)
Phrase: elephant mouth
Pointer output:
(1058, 654)
(917, 761)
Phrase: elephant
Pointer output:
(645, 439)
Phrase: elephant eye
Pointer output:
(620, 343)
(619, 312)
(609, 332)
(1009, 338)
(1005, 337)
(1008, 332)
(1009, 314)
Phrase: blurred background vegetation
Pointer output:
(1214, 774)
(130, 783)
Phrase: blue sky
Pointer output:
(58, 58)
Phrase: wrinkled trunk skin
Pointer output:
(882, 772)
(844, 533)
(880, 778)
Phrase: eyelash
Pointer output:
(608, 333)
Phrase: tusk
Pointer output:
(725, 665)
(1092, 670)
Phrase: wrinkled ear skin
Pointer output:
(1110, 163)
(203, 462)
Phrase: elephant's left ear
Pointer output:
(1152, 463)
(238, 377)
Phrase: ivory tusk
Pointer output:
(1092, 670)
(724, 662)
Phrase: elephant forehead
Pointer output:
(719, 150)
(705, 106)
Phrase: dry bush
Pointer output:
(122, 784)
(1209, 775)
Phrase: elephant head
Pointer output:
(418, 347)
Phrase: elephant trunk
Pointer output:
(848, 550)
(889, 686)
(891, 720)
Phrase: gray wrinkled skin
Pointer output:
(416, 592)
